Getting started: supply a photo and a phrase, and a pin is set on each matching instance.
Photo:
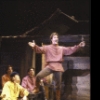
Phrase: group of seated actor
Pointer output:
(13, 87)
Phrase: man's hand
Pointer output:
(82, 44)
(31, 44)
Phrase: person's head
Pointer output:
(31, 72)
(15, 77)
(9, 69)
(54, 38)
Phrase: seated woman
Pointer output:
(12, 89)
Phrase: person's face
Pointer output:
(55, 39)
(31, 73)
(10, 70)
(16, 79)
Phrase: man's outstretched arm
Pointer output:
(36, 47)
(71, 50)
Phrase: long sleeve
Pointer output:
(70, 50)
(28, 83)
(24, 83)
(6, 91)
(23, 92)
(39, 49)
(12, 91)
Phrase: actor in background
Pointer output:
(6, 76)
(12, 89)
(28, 82)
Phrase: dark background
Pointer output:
(17, 17)
(20, 16)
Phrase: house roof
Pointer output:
(59, 22)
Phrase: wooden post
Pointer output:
(33, 59)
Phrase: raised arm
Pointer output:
(23, 92)
(73, 49)
(36, 47)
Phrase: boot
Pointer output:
(58, 95)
